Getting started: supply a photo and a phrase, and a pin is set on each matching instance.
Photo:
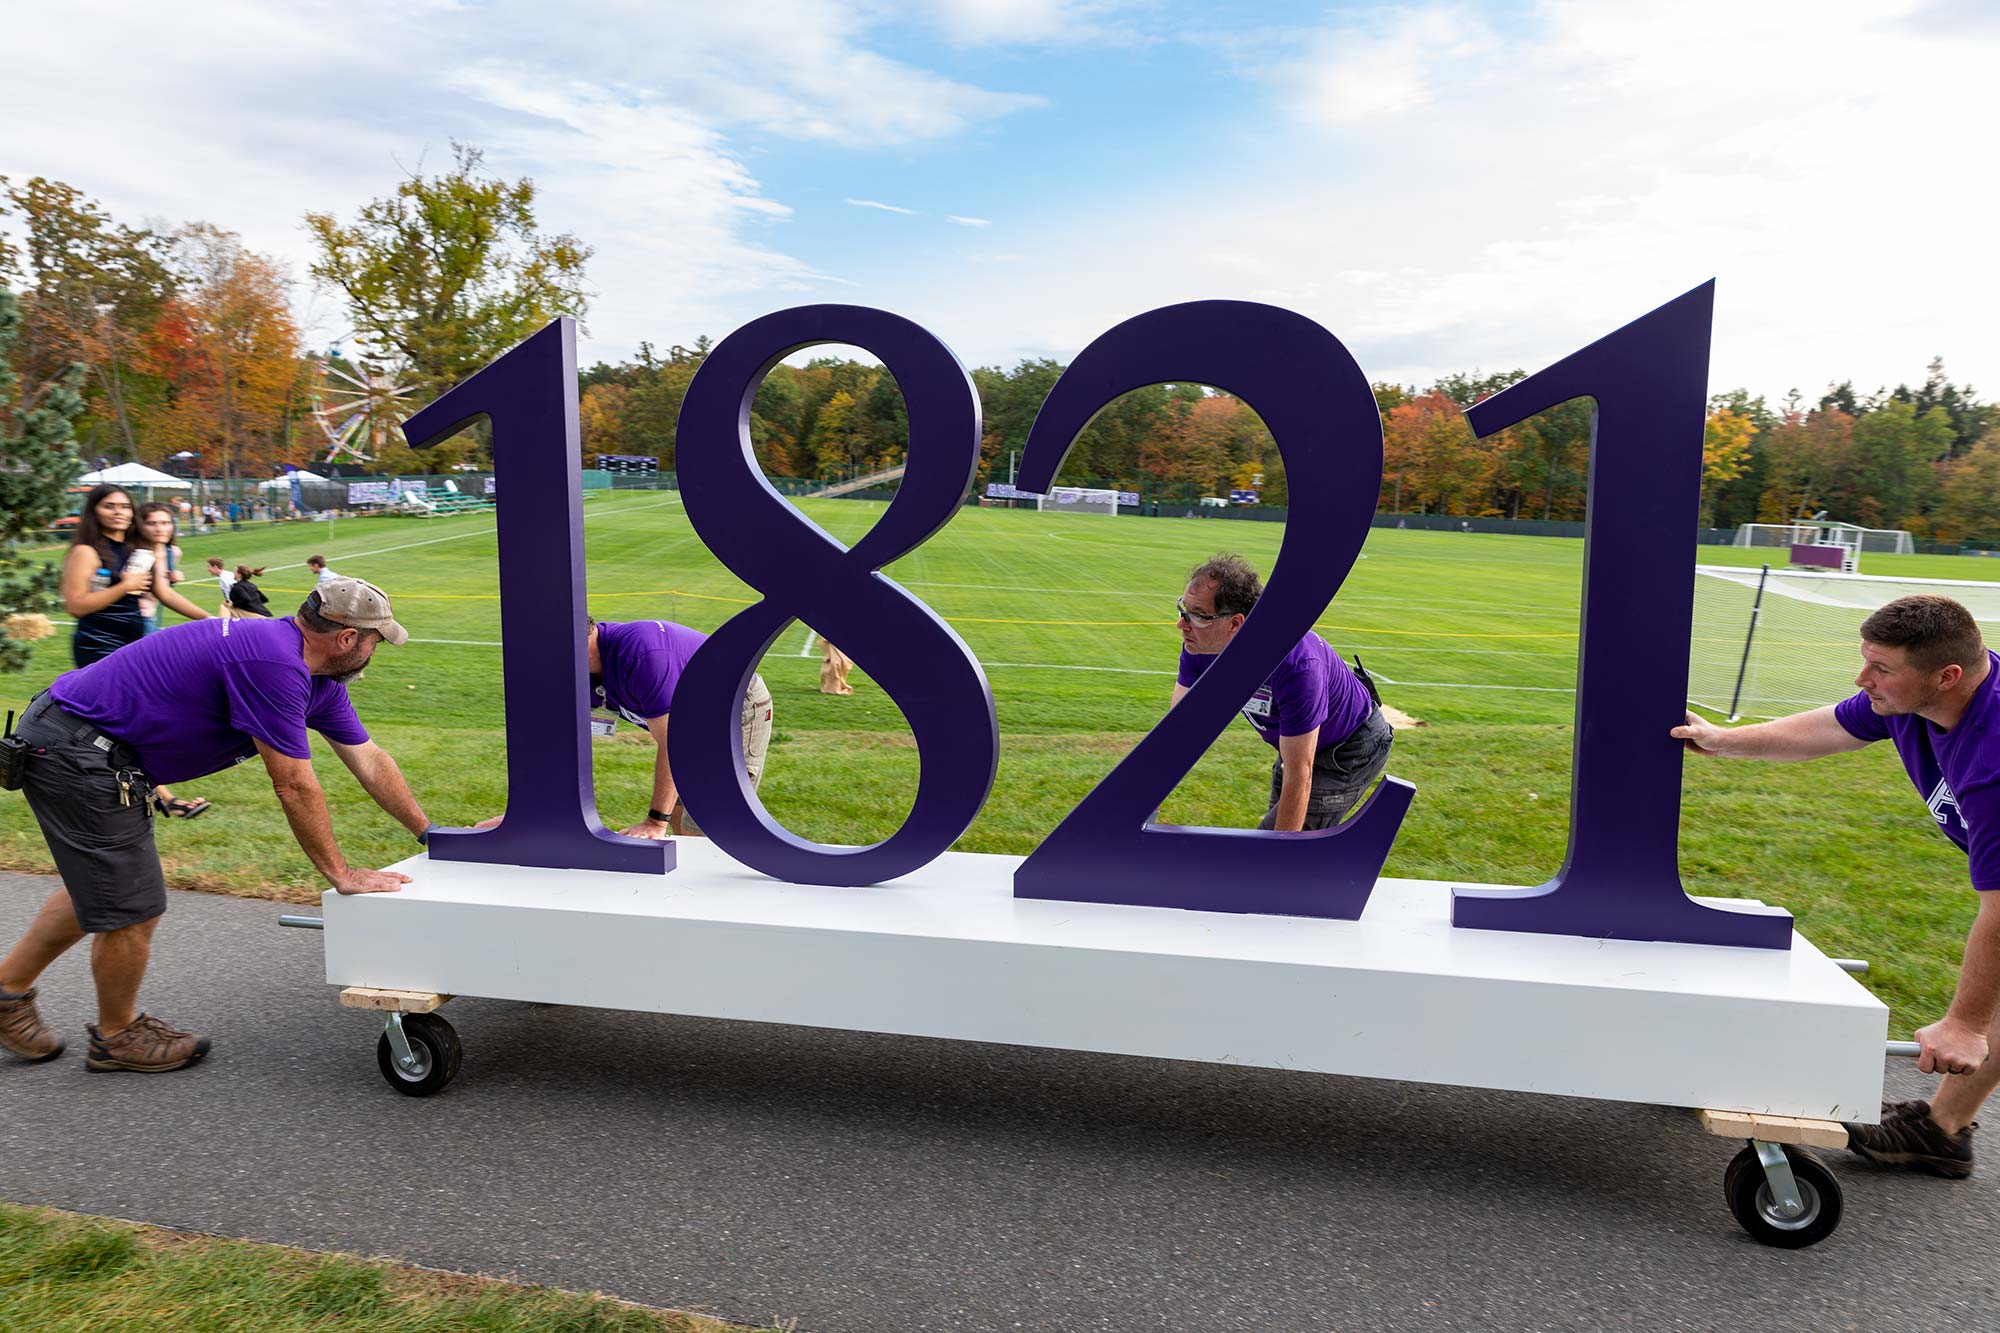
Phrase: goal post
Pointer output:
(1804, 540)
(1079, 500)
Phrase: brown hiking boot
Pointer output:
(22, 1030)
(147, 1047)
(1909, 1137)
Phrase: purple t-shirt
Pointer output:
(197, 697)
(642, 664)
(1310, 688)
(1957, 772)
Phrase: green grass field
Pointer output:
(1072, 618)
(60, 1273)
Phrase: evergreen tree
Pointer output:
(38, 463)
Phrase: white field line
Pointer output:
(1148, 671)
(475, 532)
(1482, 607)
(806, 648)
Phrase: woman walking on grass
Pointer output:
(157, 530)
(245, 597)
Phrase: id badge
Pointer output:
(603, 726)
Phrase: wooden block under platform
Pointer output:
(1775, 1128)
(385, 1001)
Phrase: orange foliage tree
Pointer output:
(229, 351)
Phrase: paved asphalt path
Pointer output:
(857, 1182)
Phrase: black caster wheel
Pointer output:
(435, 1046)
(1756, 1211)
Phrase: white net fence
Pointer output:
(1805, 649)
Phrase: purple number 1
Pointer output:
(1322, 414)
(1621, 877)
(529, 396)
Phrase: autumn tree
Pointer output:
(1969, 417)
(1969, 493)
(1890, 472)
(93, 290)
(1807, 451)
(1725, 455)
(450, 270)
(229, 350)
(1431, 460)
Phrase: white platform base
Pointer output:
(949, 952)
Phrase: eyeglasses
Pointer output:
(1196, 617)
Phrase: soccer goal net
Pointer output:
(1773, 641)
(1079, 500)
(1851, 539)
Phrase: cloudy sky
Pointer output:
(1445, 186)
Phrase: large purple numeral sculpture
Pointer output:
(1621, 876)
(804, 574)
(1322, 414)
(529, 396)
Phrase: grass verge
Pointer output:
(60, 1273)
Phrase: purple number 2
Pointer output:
(1322, 414)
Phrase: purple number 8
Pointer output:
(804, 574)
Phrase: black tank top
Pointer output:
(101, 633)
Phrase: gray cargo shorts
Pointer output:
(1341, 773)
(100, 835)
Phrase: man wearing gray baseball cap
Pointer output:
(185, 702)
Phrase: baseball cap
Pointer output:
(359, 604)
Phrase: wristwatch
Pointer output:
(424, 838)
(659, 818)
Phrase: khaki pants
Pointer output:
(756, 742)
(833, 668)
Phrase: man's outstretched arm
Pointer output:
(1812, 735)
(305, 810)
(382, 778)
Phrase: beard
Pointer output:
(348, 665)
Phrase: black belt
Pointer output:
(45, 710)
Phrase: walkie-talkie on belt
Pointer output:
(13, 757)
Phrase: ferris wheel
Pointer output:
(359, 409)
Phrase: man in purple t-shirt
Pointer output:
(1928, 685)
(1321, 718)
(634, 669)
(177, 705)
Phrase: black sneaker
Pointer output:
(1909, 1137)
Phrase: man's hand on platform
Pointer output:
(1950, 1047)
(490, 823)
(356, 880)
(648, 828)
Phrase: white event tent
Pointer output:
(135, 474)
(284, 482)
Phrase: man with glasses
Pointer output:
(1322, 718)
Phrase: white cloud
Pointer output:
(1557, 181)
(1379, 63)
(968, 222)
(638, 124)
(873, 203)
(1002, 22)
